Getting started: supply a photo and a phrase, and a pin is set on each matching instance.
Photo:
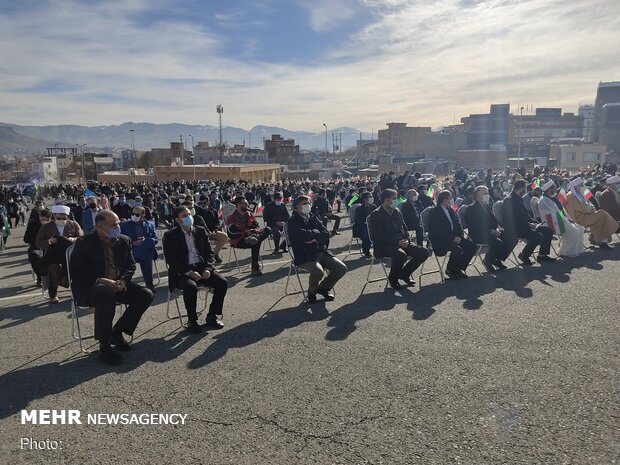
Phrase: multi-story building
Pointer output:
(400, 140)
(609, 129)
(586, 113)
(607, 92)
(546, 125)
(64, 161)
(205, 153)
(573, 156)
(488, 131)
(281, 150)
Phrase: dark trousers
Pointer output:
(541, 236)
(190, 294)
(497, 250)
(419, 235)
(276, 234)
(146, 266)
(460, 254)
(104, 299)
(366, 242)
(403, 268)
(35, 262)
(335, 218)
(55, 274)
(264, 234)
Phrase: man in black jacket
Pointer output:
(212, 221)
(276, 215)
(101, 268)
(446, 235)
(308, 238)
(389, 237)
(360, 229)
(188, 254)
(484, 229)
(323, 210)
(517, 225)
(411, 215)
(35, 254)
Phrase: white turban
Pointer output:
(575, 182)
(548, 185)
(613, 180)
(61, 209)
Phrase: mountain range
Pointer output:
(22, 139)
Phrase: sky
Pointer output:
(298, 64)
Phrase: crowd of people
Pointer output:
(406, 218)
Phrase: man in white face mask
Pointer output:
(54, 238)
(309, 240)
(143, 242)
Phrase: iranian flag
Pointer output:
(562, 197)
(454, 207)
(535, 183)
(220, 211)
(587, 194)
(555, 221)
(259, 206)
(353, 200)
(400, 200)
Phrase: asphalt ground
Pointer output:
(519, 367)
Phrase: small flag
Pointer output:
(288, 199)
(353, 200)
(259, 206)
(429, 191)
(454, 207)
(535, 183)
(555, 222)
(6, 230)
(89, 193)
(562, 197)
(400, 200)
(587, 194)
(219, 213)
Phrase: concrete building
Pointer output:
(94, 163)
(573, 156)
(482, 159)
(607, 92)
(64, 161)
(488, 131)
(586, 113)
(281, 150)
(400, 140)
(546, 125)
(445, 144)
(609, 129)
(176, 154)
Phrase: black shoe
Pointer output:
(217, 258)
(394, 283)
(276, 252)
(499, 265)
(256, 270)
(194, 327)
(284, 249)
(150, 287)
(109, 356)
(407, 280)
(311, 297)
(119, 341)
(38, 284)
(490, 268)
(462, 274)
(545, 258)
(453, 275)
(329, 295)
(605, 246)
(366, 255)
(524, 260)
(214, 322)
(335, 233)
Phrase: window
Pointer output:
(571, 156)
(591, 156)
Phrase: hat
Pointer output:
(548, 185)
(613, 180)
(61, 209)
(575, 182)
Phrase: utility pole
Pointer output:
(133, 148)
(220, 110)
(182, 150)
(520, 129)
(193, 157)
(325, 139)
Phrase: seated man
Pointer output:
(389, 237)
(360, 228)
(517, 225)
(610, 197)
(446, 235)
(188, 254)
(89, 213)
(308, 238)
(245, 233)
(212, 222)
(411, 215)
(323, 210)
(54, 238)
(276, 215)
(102, 266)
(483, 228)
(143, 242)
(35, 255)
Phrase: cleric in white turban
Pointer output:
(601, 224)
(609, 199)
(553, 215)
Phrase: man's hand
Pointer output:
(195, 276)
(107, 282)
(280, 224)
(533, 225)
(52, 241)
(72, 239)
(403, 243)
(313, 241)
(457, 240)
(206, 274)
(120, 285)
(138, 242)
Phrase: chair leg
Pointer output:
(176, 301)
(77, 329)
(158, 280)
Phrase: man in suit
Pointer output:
(484, 229)
(188, 254)
(89, 213)
(389, 237)
(360, 229)
(517, 225)
(54, 238)
(276, 215)
(411, 215)
(446, 235)
(212, 222)
(143, 242)
(35, 255)
(101, 267)
(323, 210)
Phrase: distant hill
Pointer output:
(149, 135)
(15, 143)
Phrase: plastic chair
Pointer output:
(372, 262)
(175, 293)
(292, 268)
(424, 220)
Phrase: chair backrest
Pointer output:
(288, 242)
(462, 212)
(497, 210)
(227, 210)
(352, 210)
(424, 218)
(68, 254)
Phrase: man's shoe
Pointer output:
(109, 356)
(194, 327)
(150, 286)
(500, 266)
(453, 275)
(54, 300)
(545, 258)
(490, 268)
(605, 246)
(217, 258)
(462, 274)
(335, 233)
(311, 297)
(366, 255)
(214, 322)
(276, 252)
(284, 249)
(329, 295)
(119, 341)
(38, 284)
(256, 270)
(407, 280)
(524, 260)
(394, 283)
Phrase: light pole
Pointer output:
(220, 110)
(249, 141)
(193, 157)
(133, 148)
(325, 139)
(520, 129)
(81, 146)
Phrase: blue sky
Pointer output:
(299, 63)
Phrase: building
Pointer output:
(573, 156)
(445, 144)
(94, 163)
(205, 153)
(488, 131)
(64, 161)
(609, 129)
(541, 128)
(482, 159)
(586, 113)
(400, 140)
(607, 92)
(281, 150)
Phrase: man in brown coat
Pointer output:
(54, 238)
(609, 199)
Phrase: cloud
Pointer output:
(326, 15)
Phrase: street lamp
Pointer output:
(133, 148)
(220, 110)
(193, 157)
(81, 147)
(325, 139)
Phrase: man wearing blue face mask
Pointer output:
(101, 268)
(122, 209)
(389, 237)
